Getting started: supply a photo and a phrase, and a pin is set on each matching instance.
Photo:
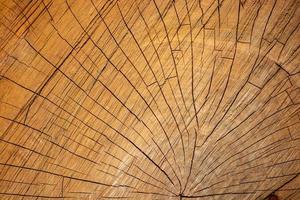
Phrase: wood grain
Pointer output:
(149, 99)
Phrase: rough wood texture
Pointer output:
(149, 99)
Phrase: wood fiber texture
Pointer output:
(149, 99)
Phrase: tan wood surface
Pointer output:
(149, 99)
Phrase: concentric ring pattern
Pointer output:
(149, 99)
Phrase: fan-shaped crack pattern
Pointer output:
(149, 99)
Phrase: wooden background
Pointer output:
(149, 99)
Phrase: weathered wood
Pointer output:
(149, 99)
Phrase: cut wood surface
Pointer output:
(150, 99)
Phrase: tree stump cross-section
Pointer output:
(150, 99)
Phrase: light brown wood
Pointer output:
(149, 99)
